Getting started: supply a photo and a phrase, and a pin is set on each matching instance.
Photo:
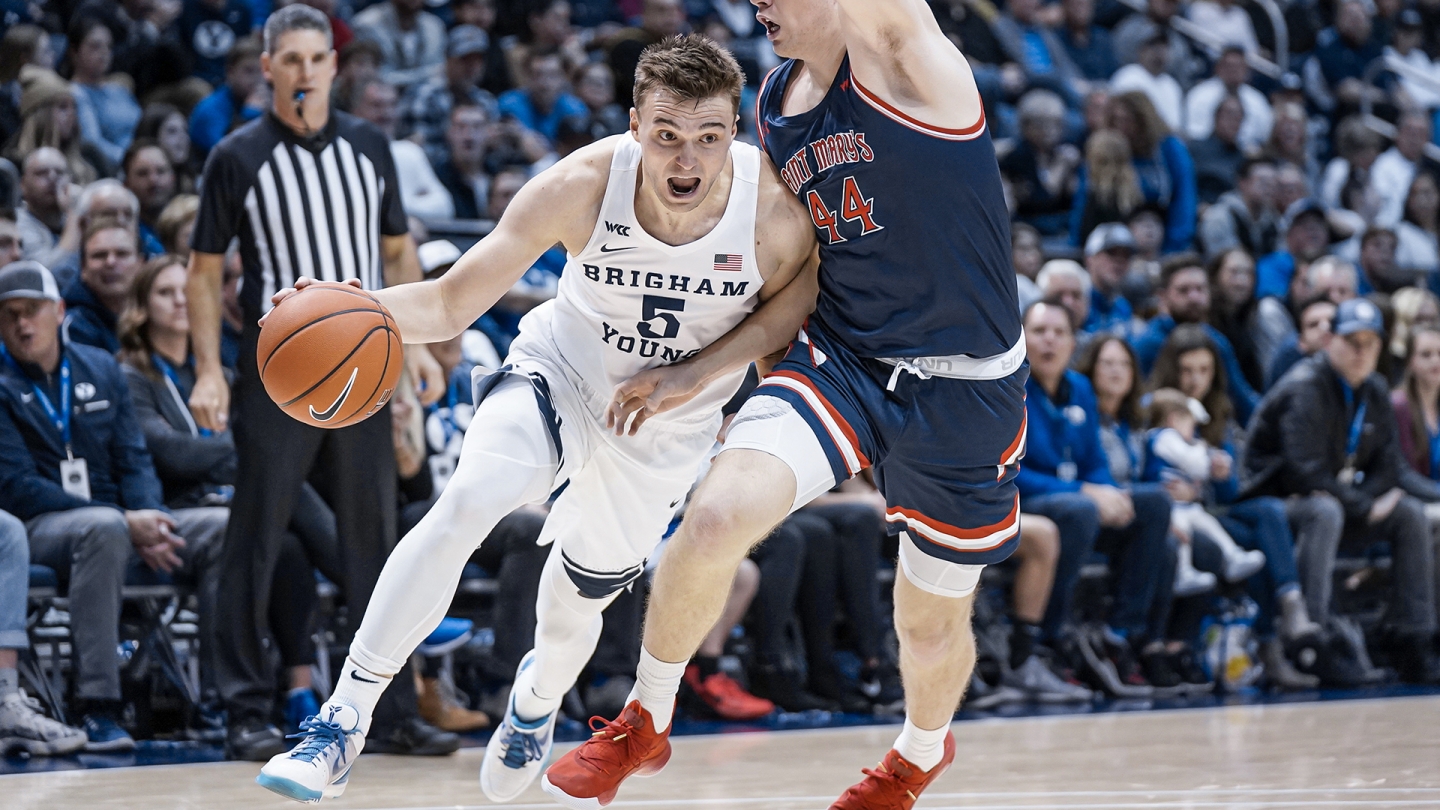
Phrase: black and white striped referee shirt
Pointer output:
(313, 207)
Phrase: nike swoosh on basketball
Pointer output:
(357, 677)
(608, 249)
(329, 413)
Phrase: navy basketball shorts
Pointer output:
(945, 452)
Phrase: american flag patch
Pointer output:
(729, 262)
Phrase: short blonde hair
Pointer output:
(692, 67)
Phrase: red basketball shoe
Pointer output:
(588, 777)
(726, 698)
(894, 784)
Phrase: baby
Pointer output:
(1177, 452)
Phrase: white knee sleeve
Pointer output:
(508, 460)
(934, 575)
(567, 630)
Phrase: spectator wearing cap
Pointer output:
(1243, 218)
(1394, 170)
(425, 108)
(1107, 258)
(110, 255)
(208, 30)
(1407, 46)
(1147, 75)
(44, 192)
(1326, 439)
(1232, 77)
(1334, 74)
(77, 472)
(421, 192)
(1308, 234)
(1185, 299)
(543, 102)
(412, 41)
(241, 98)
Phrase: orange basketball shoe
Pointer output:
(894, 784)
(588, 777)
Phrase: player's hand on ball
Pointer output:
(300, 285)
(210, 401)
(648, 393)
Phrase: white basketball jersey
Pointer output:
(628, 301)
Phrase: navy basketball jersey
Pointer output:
(914, 233)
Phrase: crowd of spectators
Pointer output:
(1226, 254)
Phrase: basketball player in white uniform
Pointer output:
(675, 234)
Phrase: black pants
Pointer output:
(310, 544)
(781, 559)
(354, 471)
(842, 553)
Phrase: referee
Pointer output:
(309, 192)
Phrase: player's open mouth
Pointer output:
(684, 187)
(770, 27)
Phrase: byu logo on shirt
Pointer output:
(84, 391)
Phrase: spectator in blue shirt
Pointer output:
(209, 29)
(109, 259)
(1185, 298)
(107, 110)
(1334, 75)
(1162, 165)
(235, 102)
(1066, 477)
(544, 102)
(1308, 235)
(1088, 44)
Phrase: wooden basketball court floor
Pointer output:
(1342, 754)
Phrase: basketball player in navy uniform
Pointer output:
(913, 364)
(681, 243)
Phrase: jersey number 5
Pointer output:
(853, 207)
(656, 307)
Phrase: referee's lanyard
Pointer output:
(172, 381)
(60, 419)
(1349, 476)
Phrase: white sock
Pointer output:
(656, 685)
(360, 689)
(1184, 558)
(921, 748)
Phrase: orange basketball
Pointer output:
(330, 355)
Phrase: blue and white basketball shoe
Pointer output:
(318, 767)
(518, 751)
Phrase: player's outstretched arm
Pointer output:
(789, 261)
(558, 206)
(898, 52)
